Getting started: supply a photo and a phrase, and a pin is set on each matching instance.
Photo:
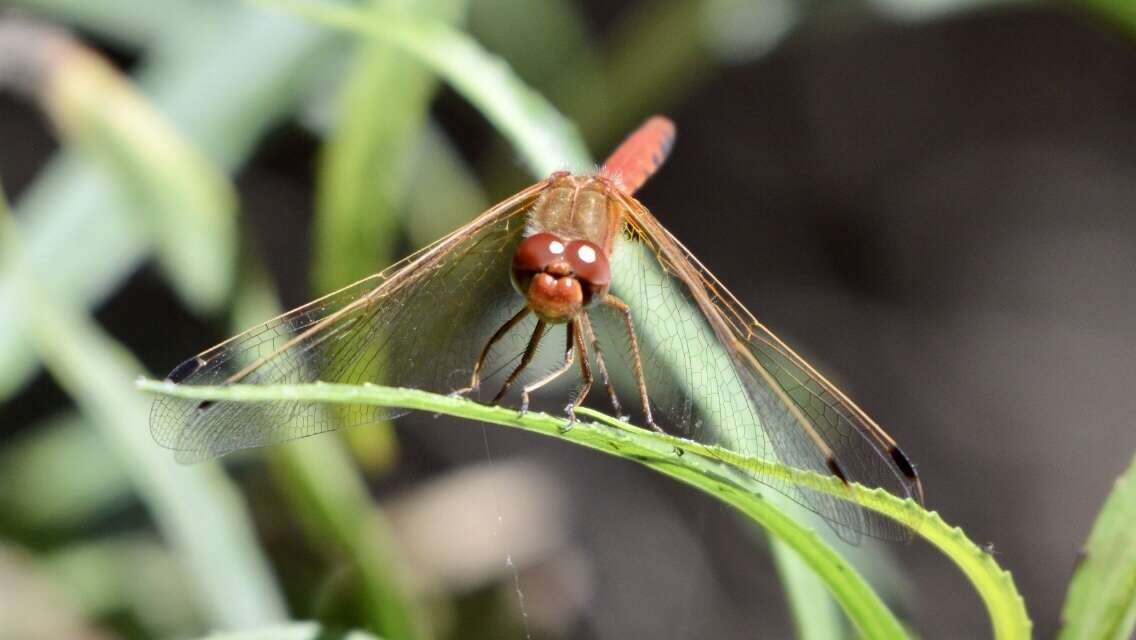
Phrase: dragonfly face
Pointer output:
(558, 277)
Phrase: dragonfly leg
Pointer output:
(569, 357)
(530, 351)
(622, 307)
(585, 375)
(475, 379)
(586, 323)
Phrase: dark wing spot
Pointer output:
(205, 404)
(837, 470)
(903, 463)
(185, 369)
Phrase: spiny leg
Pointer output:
(586, 376)
(475, 380)
(530, 351)
(621, 306)
(586, 323)
(569, 357)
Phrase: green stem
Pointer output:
(729, 476)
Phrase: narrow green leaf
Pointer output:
(129, 573)
(232, 78)
(715, 470)
(1101, 603)
(444, 193)
(197, 510)
(544, 138)
(329, 494)
(364, 173)
(550, 48)
(130, 23)
(1120, 13)
(364, 168)
(815, 615)
(327, 490)
(185, 203)
(42, 501)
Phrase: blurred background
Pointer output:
(932, 200)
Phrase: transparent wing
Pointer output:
(716, 374)
(419, 324)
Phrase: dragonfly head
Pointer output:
(558, 277)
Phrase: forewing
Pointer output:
(419, 324)
(720, 377)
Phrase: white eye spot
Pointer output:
(556, 247)
(587, 254)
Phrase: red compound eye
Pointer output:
(536, 252)
(591, 268)
(533, 256)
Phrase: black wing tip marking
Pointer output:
(185, 370)
(837, 470)
(904, 464)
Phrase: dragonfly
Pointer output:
(479, 309)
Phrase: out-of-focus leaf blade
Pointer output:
(543, 137)
(32, 606)
(129, 573)
(444, 193)
(364, 172)
(234, 77)
(327, 491)
(197, 509)
(364, 167)
(815, 615)
(134, 23)
(187, 206)
(1101, 602)
(548, 48)
(36, 501)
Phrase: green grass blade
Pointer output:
(325, 488)
(1101, 602)
(1119, 13)
(364, 168)
(444, 193)
(364, 172)
(128, 574)
(550, 48)
(327, 491)
(544, 139)
(131, 23)
(715, 470)
(198, 510)
(815, 615)
(187, 206)
(54, 502)
(232, 79)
